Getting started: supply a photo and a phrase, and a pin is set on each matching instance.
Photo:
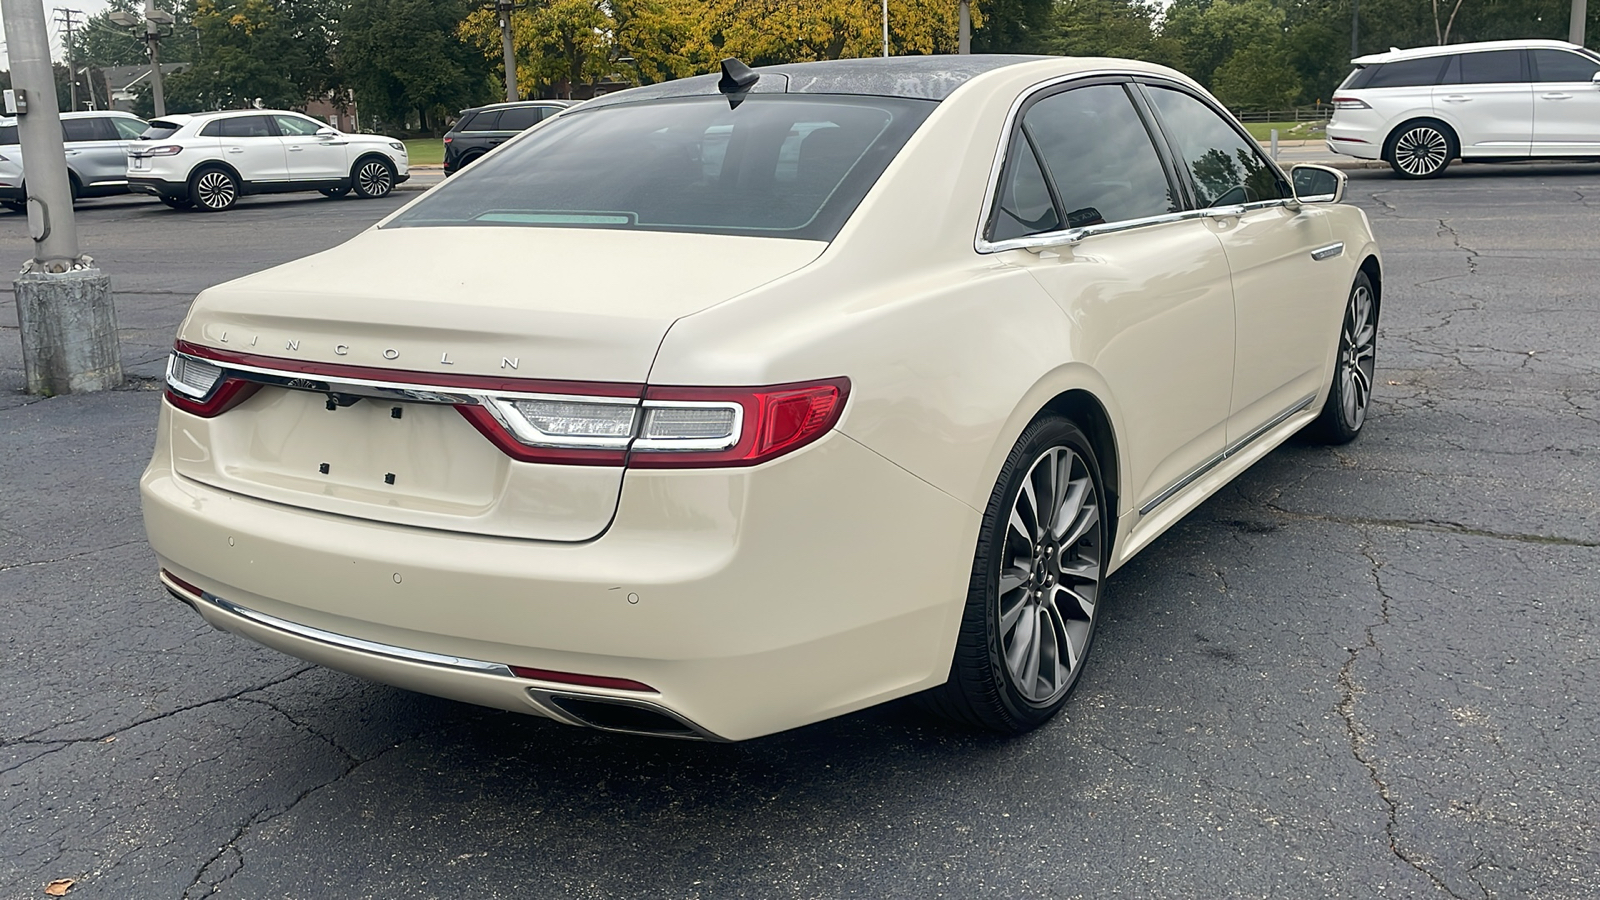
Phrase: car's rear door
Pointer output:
(1566, 103)
(1286, 309)
(1150, 291)
(95, 152)
(251, 145)
(1487, 98)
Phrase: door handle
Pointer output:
(296, 149)
(1457, 98)
(1224, 212)
(235, 149)
(1556, 96)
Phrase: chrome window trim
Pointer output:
(1231, 450)
(982, 244)
(1064, 237)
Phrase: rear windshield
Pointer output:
(8, 134)
(776, 165)
(160, 130)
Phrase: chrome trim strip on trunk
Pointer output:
(1328, 252)
(1231, 450)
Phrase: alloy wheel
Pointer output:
(1049, 576)
(215, 190)
(1357, 355)
(373, 179)
(1422, 150)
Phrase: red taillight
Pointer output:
(599, 681)
(181, 584)
(229, 394)
(448, 139)
(777, 419)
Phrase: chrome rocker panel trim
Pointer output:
(1232, 449)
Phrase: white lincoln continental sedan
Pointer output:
(718, 407)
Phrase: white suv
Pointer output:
(208, 160)
(1419, 109)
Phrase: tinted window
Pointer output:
(1493, 67)
(128, 129)
(783, 165)
(482, 121)
(1559, 65)
(1224, 166)
(297, 126)
(1407, 73)
(8, 134)
(1098, 154)
(245, 126)
(518, 119)
(1024, 206)
(159, 130)
(1357, 78)
(85, 130)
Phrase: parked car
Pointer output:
(1419, 109)
(714, 408)
(97, 155)
(484, 128)
(207, 161)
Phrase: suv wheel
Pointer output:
(373, 178)
(1421, 149)
(213, 189)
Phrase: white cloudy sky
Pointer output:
(87, 7)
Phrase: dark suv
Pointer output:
(484, 128)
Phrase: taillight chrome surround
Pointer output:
(543, 421)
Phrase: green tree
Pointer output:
(1122, 28)
(1211, 31)
(1257, 77)
(1014, 26)
(277, 52)
(408, 56)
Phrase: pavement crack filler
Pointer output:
(1349, 691)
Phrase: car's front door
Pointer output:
(309, 157)
(1151, 299)
(1566, 103)
(95, 151)
(1487, 99)
(1286, 310)
(250, 144)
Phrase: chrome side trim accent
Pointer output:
(1328, 252)
(1231, 450)
(346, 642)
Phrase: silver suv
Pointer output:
(97, 155)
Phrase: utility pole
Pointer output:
(153, 20)
(885, 29)
(964, 30)
(67, 321)
(1355, 27)
(65, 16)
(1580, 12)
(505, 8)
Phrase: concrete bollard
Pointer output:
(69, 331)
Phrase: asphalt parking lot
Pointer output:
(1361, 672)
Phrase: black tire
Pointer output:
(372, 177)
(334, 193)
(469, 160)
(213, 189)
(985, 689)
(1345, 410)
(74, 187)
(1421, 148)
(177, 202)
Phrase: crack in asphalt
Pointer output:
(68, 558)
(1437, 526)
(1472, 255)
(30, 739)
(1349, 690)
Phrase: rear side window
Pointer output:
(128, 129)
(160, 130)
(1357, 78)
(483, 120)
(239, 127)
(1407, 73)
(1226, 168)
(1024, 206)
(520, 118)
(8, 134)
(1559, 65)
(1492, 67)
(778, 165)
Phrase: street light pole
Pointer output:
(964, 29)
(64, 310)
(886, 29)
(152, 37)
(1355, 27)
(504, 8)
(1580, 12)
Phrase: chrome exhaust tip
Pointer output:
(621, 715)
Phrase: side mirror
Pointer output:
(1595, 80)
(1317, 184)
(327, 133)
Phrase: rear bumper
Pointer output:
(749, 600)
(158, 187)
